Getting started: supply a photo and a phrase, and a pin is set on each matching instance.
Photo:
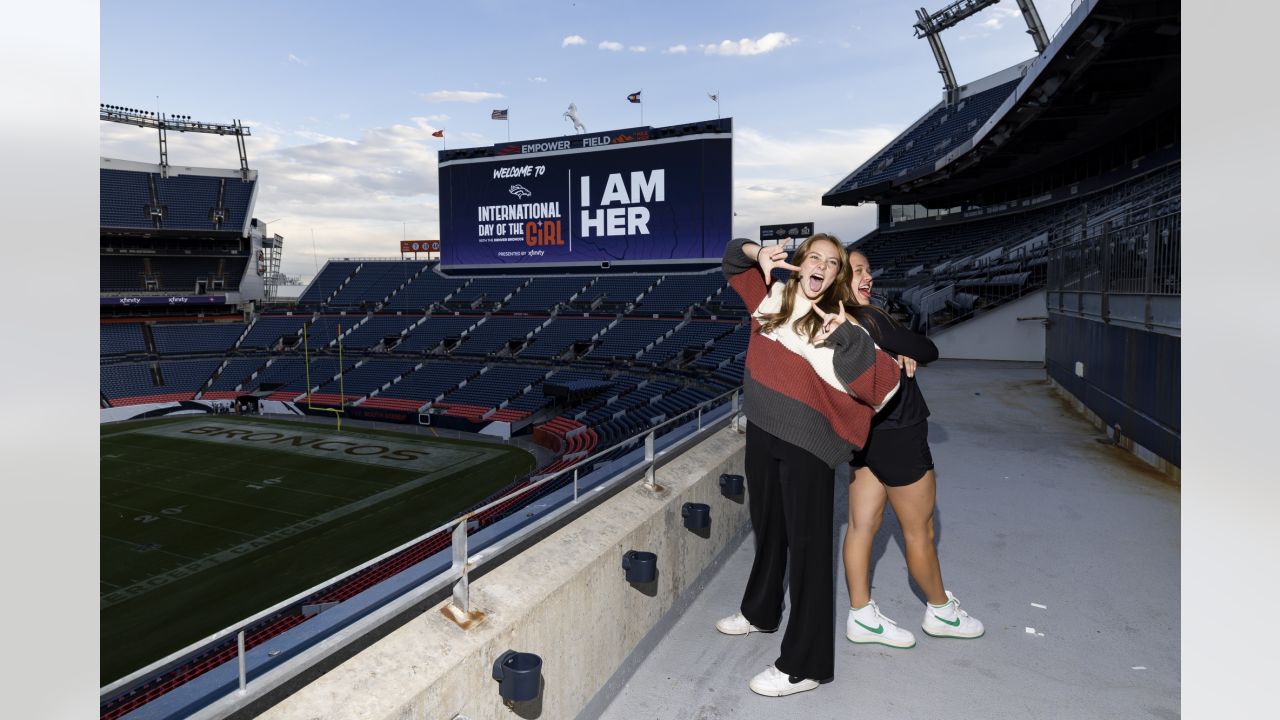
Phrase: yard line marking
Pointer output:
(232, 465)
(159, 550)
(210, 497)
(183, 520)
(151, 583)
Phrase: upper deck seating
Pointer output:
(556, 338)
(432, 331)
(332, 275)
(195, 338)
(121, 339)
(425, 290)
(374, 282)
(493, 334)
(543, 294)
(630, 336)
(676, 293)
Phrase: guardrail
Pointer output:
(696, 423)
(1128, 273)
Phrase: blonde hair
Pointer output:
(830, 300)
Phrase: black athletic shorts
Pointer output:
(898, 456)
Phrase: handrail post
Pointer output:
(648, 459)
(575, 486)
(461, 589)
(240, 655)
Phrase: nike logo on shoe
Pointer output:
(879, 628)
(952, 623)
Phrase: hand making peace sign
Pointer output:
(830, 322)
(773, 257)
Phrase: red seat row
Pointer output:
(142, 399)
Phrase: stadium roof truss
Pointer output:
(1113, 66)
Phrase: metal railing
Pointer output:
(698, 421)
(1139, 258)
(1129, 273)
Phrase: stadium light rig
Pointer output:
(162, 123)
(930, 25)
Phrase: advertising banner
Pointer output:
(796, 231)
(164, 300)
(414, 246)
(628, 200)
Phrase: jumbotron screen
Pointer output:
(640, 195)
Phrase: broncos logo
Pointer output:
(520, 191)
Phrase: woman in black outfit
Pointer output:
(896, 465)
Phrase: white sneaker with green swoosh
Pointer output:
(950, 620)
(868, 625)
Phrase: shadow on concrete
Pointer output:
(648, 588)
(530, 709)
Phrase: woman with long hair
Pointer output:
(895, 465)
(808, 407)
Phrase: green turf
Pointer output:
(201, 528)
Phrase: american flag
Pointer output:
(498, 115)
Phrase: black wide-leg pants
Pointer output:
(790, 497)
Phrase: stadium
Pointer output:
(354, 502)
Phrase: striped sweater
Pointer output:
(818, 397)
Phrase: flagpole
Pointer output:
(508, 126)
(641, 107)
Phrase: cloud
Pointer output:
(610, 45)
(676, 50)
(354, 192)
(297, 60)
(993, 19)
(538, 79)
(461, 96)
(573, 40)
(746, 46)
(344, 116)
(637, 48)
(782, 179)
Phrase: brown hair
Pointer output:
(809, 324)
(868, 316)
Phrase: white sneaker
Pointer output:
(737, 624)
(772, 682)
(950, 620)
(868, 625)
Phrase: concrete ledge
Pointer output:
(1173, 472)
(565, 599)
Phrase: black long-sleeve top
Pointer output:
(907, 407)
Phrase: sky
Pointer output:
(341, 98)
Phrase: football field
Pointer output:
(206, 521)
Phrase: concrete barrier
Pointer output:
(565, 599)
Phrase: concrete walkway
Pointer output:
(1032, 510)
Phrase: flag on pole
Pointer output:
(439, 133)
(499, 114)
(634, 97)
(715, 97)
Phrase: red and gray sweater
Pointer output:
(817, 397)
